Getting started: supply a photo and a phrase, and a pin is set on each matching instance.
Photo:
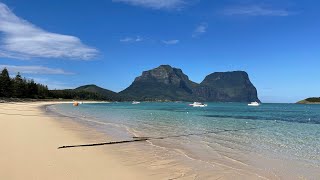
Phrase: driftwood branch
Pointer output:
(137, 139)
(105, 143)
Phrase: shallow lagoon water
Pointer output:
(272, 140)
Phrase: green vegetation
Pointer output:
(171, 84)
(103, 93)
(312, 100)
(163, 83)
(87, 92)
(19, 87)
(73, 94)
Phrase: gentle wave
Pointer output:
(275, 131)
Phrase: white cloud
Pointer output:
(130, 39)
(34, 70)
(255, 10)
(52, 84)
(23, 40)
(171, 42)
(127, 39)
(200, 29)
(155, 4)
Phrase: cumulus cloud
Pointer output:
(200, 29)
(34, 70)
(155, 4)
(22, 40)
(255, 10)
(171, 42)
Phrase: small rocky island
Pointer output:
(312, 100)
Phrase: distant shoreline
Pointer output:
(312, 100)
(308, 103)
(26, 100)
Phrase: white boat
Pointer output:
(135, 102)
(198, 104)
(254, 104)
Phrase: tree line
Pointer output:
(19, 87)
(81, 95)
(313, 99)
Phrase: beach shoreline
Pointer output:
(30, 139)
(162, 160)
(32, 132)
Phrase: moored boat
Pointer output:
(198, 104)
(254, 104)
(136, 102)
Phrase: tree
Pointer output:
(5, 84)
(19, 87)
(32, 89)
(43, 91)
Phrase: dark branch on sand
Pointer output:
(137, 139)
(105, 143)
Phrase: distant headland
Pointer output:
(312, 100)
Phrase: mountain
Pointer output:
(161, 83)
(168, 83)
(313, 100)
(100, 91)
(87, 92)
(96, 89)
(227, 87)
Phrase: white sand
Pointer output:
(29, 141)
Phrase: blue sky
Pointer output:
(109, 42)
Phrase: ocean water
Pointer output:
(272, 141)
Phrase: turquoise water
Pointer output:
(230, 134)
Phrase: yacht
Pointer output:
(135, 102)
(198, 104)
(254, 104)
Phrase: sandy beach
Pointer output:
(30, 139)
(159, 90)
(31, 134)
